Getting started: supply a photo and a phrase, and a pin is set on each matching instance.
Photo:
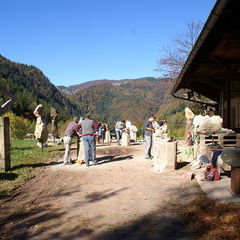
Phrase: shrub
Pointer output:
(176, 125)
(19, 126)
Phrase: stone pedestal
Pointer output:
(4, 143)
(125, 139)
(133, 136)
(165, 156)
(81, 155)
(107, 137)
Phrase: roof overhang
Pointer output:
(215, 56)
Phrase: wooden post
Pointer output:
(4, 143)
(235, 180)
(228, 97)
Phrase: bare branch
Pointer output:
(172, 59)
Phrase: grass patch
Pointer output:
(25, 157)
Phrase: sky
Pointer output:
(75, 41)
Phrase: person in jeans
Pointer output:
(148, 137)
(70, 132)
(89, 130)
(120, 125)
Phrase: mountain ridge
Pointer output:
(31, 87)
(106, 100)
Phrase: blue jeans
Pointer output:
(89, 148)
(118, 134)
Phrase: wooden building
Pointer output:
(213, 66)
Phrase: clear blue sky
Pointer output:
(74, 41)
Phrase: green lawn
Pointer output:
(25, 157)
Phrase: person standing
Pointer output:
(70, 132)
(89, 129)
(99, 133)
(120, 125)
(149, 129)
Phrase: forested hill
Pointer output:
(106, 100)
(133, 99)
(31, 87)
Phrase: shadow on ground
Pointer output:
(23, 148)
(46, 222)
(108, 159)
(180, 220)
(181, 165)
(98, 196)
(35, 165)
(8, 176)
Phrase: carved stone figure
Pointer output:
(54, 127)
(41, 132)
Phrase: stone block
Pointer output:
(107, 137)
(165, 156)
(125, 139)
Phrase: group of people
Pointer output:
(102, 129)
(89, 130)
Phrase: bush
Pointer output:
(19, 126)
(176, 125)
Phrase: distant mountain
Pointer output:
(75, 88)
(112, 100)
(106, 100)
(31, 87)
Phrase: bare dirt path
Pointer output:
(121, 198)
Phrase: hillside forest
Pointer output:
(106, 100)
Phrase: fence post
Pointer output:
(5, 144)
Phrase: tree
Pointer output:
(173, 58)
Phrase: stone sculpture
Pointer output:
(54, 126)
(41, 132)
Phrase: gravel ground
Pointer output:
(120, 198)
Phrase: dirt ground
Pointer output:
(120, 198)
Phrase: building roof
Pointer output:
(215, 56)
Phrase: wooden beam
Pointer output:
(206, 82)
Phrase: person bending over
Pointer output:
(70, 132)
